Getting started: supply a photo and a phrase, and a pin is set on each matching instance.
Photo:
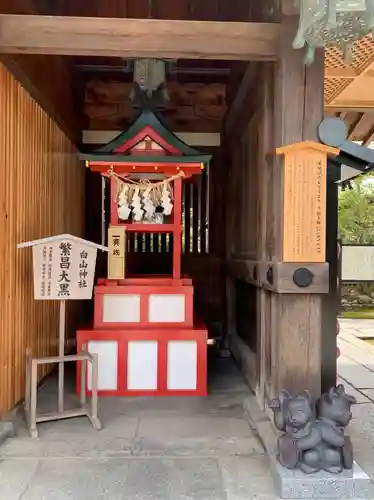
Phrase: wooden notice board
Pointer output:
(304, 201)
(63, 267)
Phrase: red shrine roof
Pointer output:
(147, 145)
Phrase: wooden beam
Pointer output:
(352, 105)
(369, 137)
(358, 109)
(238, 105)
(346, 72)
(355, 125)
(126, 38)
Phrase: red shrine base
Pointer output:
(144, 302)
(144, 336)
(148, 362)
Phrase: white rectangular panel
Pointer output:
(121, 308)
(182, 365)
(142, 365)
(166, 308)
(107, 351)
(357, 263)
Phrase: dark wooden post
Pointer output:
(296, 318)
(331, 301)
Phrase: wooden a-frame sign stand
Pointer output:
(64, 268)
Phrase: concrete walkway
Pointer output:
(356, 363)
(171, 448)
(149, 449)
(356, 372)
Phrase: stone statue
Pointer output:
(313, 438)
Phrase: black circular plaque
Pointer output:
(303, 277)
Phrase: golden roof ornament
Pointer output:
(333, 23)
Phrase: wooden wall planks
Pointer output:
(41, 194)
(49, 79)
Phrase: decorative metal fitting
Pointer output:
(270, 276)
(303, 277)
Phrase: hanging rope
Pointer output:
(144, 183)
(142, 197)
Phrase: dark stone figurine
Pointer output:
(313, 438)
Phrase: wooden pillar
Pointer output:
(177, 233)
(264, 195)
(296, 318)
(331, 301)
(230, 230)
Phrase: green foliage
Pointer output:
(356, 211)
(361, 314)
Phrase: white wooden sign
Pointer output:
(64, 267)
(357, 263)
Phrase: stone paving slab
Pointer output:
(162, 479)
(15, 478)
(218, 478)
(361, 328)
(86, 447)
(223, 431)
(360, 395)
(356, 363)
(357, 349)
(197, 435)
(356, 323)
(369, 393)
(247, 478)
(354, 373)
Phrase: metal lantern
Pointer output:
(149, 83)
(149, 74)
(333, 23)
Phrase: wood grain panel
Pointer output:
(41, 194)
(297, 352)
(112, 37)
(50, 82)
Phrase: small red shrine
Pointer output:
(144, 329)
